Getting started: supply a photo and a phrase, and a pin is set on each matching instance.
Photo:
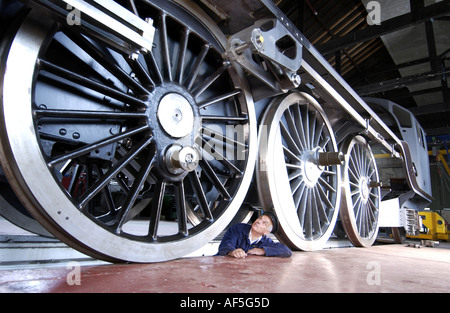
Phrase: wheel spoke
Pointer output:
(97, 115)
(182, 55)
(299, 193)
(106, 193)
(324, 142)
(102, 59)
(113, 171)
(141, 72)
(215, 179)
(312, 130)
(357, 207)
(165, 47)
(325, 198)
(291, 155)
(193, 74)
(153, 66)
(303, 207)
(308, 225)
(209, 102)
(201, 197)
(318, 134)
(290, 142)
(86, 82)
(326, 185)
(210, 80)
(218, 136)
(134, 191)
(96, 145)
(180, 204)
(321, 209)
(220, 157)
(306, 126)
(223, 119)
(295, 175)
(299, 125)
(293, 132)
(157, 204)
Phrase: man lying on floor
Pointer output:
(241, 240)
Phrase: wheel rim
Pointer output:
(361, 192)
(304, 195)
(117, 133)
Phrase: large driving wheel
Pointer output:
(360, 192)
(298, 171)
(92, 139)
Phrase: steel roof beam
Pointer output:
(397, 23)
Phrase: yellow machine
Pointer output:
(433, 227)
(440, 158)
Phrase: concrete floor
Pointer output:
(382, 268)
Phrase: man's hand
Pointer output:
(256, 251)
(238, 254)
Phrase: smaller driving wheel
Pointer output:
(298, 171)
(360, 192)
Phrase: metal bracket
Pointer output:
(273, 42)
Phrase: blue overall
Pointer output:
(237, 237)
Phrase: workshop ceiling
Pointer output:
(404, 59)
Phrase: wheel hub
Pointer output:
(364, 189)
(173, 118)
(181, 159)
(311, 169)
(175, 115)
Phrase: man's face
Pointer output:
(263, 225)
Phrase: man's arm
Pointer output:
(277, 249)
(229, 241)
